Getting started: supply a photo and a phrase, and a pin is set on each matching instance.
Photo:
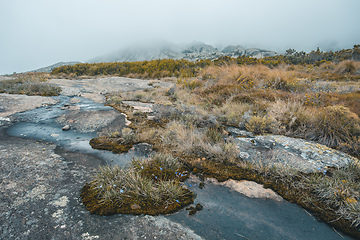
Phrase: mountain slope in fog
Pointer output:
(192, 52)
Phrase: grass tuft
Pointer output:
(334, 125)
(138, 189)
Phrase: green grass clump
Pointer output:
(29, 84)
(137, 189)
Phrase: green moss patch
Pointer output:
(114, 144)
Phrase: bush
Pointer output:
(128, 135)
(347, 67)
(30, 85)
(289, 115)
(334, 125)
(283, 83)
(260, 125)
(189, 83)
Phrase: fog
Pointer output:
(39, 33)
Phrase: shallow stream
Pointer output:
(226, 214)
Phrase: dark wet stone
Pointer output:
(198, 207)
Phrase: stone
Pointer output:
(239, 133)
(135, 207)
(199, 207)
(66, 128)
(290, 153)
(5, 119)
(74, 100)
(249, 188)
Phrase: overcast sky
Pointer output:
(38, 33)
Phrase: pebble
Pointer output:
(66, 128)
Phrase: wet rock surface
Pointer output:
(227, 214)
(13, 103)
(91, 120)
(41, 181)
(292, 153)
(40, 198)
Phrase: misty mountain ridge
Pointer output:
(51, 67)
(192, 52)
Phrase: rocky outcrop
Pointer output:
(234, 51)
(290, 153)
(40, 198)
(14, 103)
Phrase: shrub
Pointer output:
(290, 116)
(231, 112)
(350, 100)
(128, 135)
(194, 142)
(347, 67)
(334, 125)
(285, 83)
(189, 83)
(29, 84)
(327, 65)
(214, 135)
(260, 125)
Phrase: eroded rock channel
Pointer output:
(43, 169)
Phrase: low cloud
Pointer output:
(39, 33)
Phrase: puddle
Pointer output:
(40, 124)
(230, 215)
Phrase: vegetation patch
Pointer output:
(114, 144)
(29, 84)
(298, 95)
(115, 141)
(141, 188)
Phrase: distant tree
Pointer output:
(290, 52)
